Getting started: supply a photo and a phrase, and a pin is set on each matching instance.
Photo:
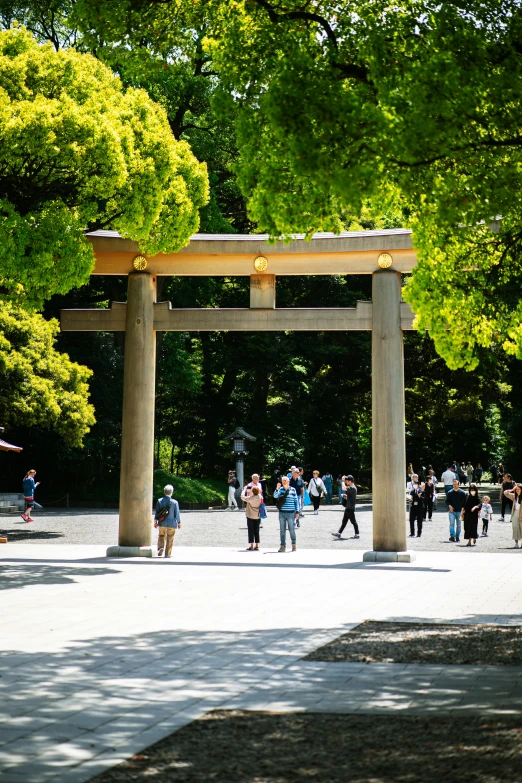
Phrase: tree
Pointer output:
(335, 104)
(79, 152)
(41, 386)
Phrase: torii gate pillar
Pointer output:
(388, 419)
(137, 436)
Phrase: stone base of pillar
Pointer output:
(390, 557)
(130, 551)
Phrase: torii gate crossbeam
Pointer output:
(383, 254)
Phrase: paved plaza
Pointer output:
(100, 658)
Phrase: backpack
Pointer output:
(162, 513)
(280, 500)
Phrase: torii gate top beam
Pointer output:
(351, 252)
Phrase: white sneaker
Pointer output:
(517, 545)
(315, 513)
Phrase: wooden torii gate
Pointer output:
(383, 254)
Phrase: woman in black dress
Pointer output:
(471, 512)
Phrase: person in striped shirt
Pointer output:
(288, 512)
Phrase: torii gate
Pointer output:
(383, 254)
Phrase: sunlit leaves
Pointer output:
(79, 152)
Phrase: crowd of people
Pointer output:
(466, 511)
(291, 494)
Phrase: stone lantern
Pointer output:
(239, 438)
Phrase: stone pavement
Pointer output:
(100, 658)
(227, 528)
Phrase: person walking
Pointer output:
(485, 514)
(471, 515)
(349, 500)
(316, 490)
(328, 485)
(233, 484)
(461, 472)
(478, 473)
(469, 472)
(167, 520)
(409, 473)
(29, 485)
(515, 495)
(286, 501)
(448, 478)
(429, 497)
(253, 500)
(500, 472)
(456, 501)
(416, 498)
(506, 502)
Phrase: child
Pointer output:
(485, 514)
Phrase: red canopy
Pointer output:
(4, 446)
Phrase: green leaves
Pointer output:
(40, 386)
(79, 152)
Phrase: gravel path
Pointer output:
(228, 529)
(241, 747)
(434, 643)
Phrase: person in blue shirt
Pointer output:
(29, 486)
(168, 526)
(288, 513)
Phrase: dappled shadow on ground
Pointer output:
(116, 688)
(14, 576)
(27, 533)
(240, 747)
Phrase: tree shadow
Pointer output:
(14, 575)
(98, 699)
(30, 534)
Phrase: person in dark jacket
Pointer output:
(456, 501)
(471, 512)
(416, 498)
(508, 485)
(429, 495)
(350, 498)
(167, 526)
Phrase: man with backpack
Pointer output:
(167, 520)
(233, 484)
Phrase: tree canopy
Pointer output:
(333, 104)
(79, 152)
(40, 386)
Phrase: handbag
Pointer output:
(280, 500)
(163, 513)
(320, 490)
(262, 511)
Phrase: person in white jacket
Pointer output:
(316, 490)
